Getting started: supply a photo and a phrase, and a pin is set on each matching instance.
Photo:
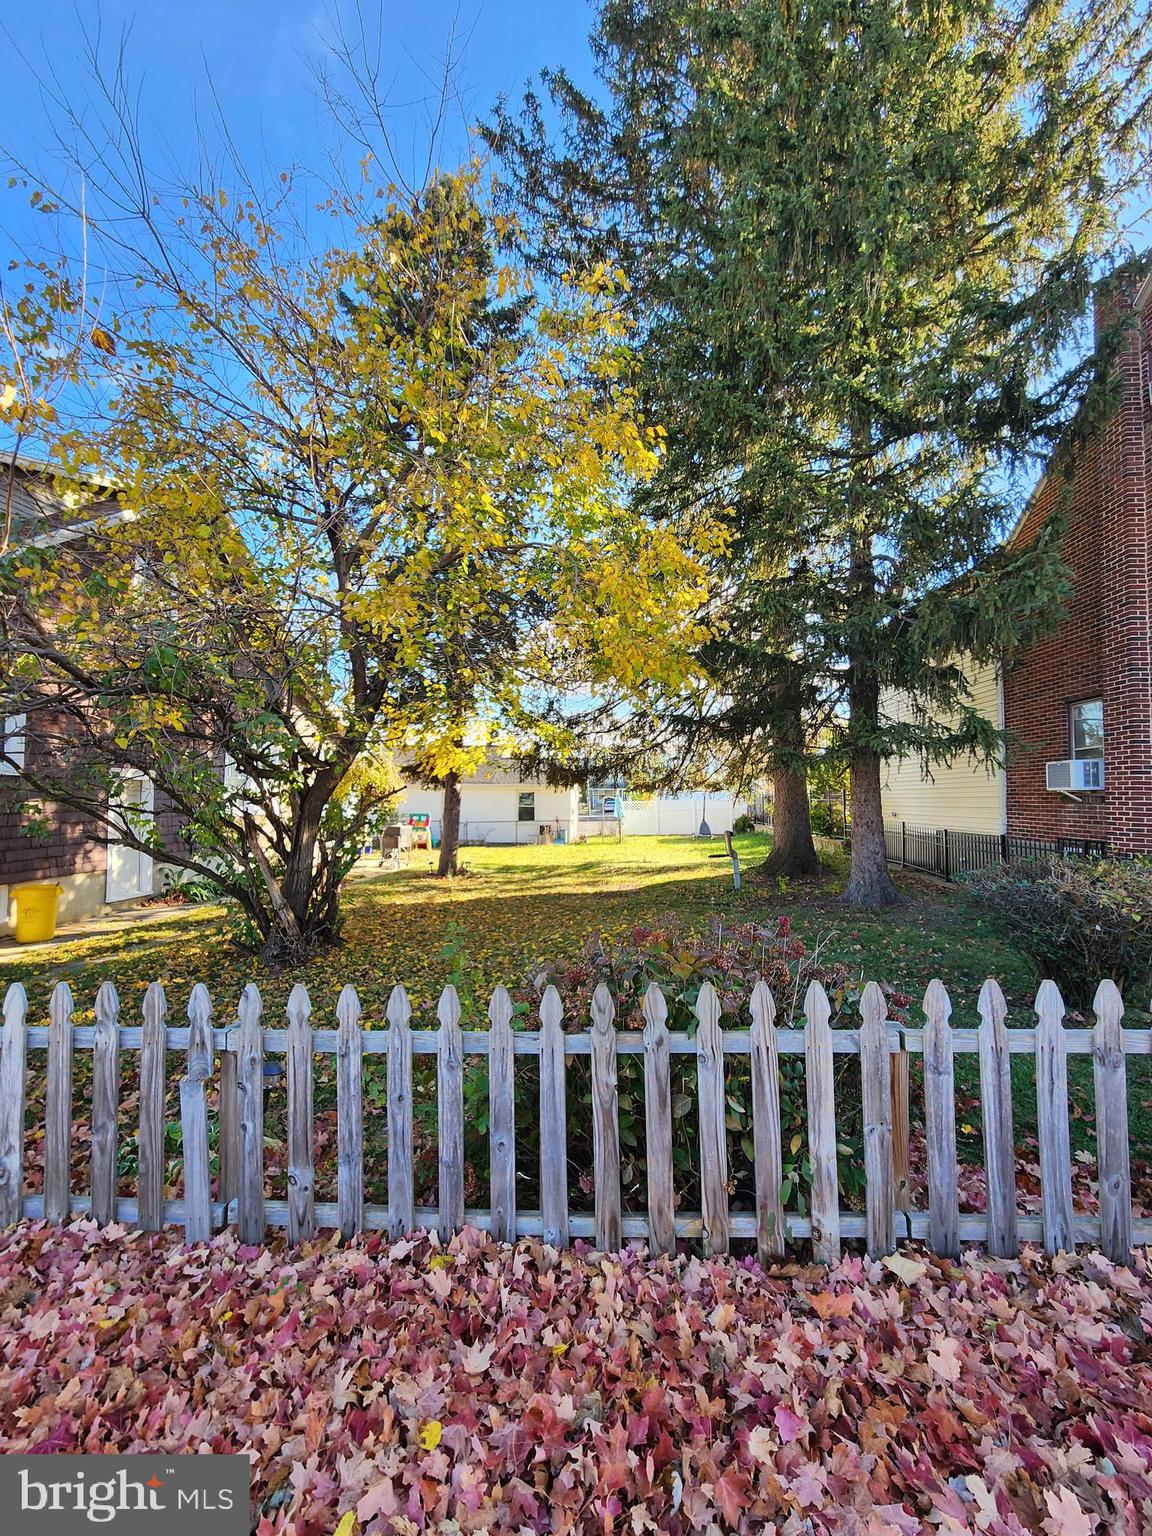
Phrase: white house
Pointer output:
(497, 806)
(663, 815)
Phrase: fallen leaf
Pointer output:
(908, 1270)
(790, 1424)
(1066, 1515)
(832, 1304)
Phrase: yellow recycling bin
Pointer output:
(36, 911)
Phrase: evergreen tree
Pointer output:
(861, 235)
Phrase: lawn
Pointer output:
(518, 908)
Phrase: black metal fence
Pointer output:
(945, 853)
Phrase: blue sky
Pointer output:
(254, 53)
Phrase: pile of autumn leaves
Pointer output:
(409, 1388)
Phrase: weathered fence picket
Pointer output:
(13, 1075)
(502, 1116)
(553, 1122)
(301, 1153)
(996, 1115)
(821, 1126)
(1112, 1124)
(658, 1123)
(605, 1121)
(58, 1108)
(450, 1104)
(250, 1117)
(105, 1105)
(1052, 1120)
(401, 1201)
(150, 1146)
(876, 1103)
(940, 1124)
(766, 1141)
(237, 1110)
(713, 1136)
(194, 1119)
(349, 1113)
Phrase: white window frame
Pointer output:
(526, 794)
(14, 743)
(1078, 755)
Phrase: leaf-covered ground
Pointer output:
(519, 908)
(407, 1389)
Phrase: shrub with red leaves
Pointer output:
(679, 960)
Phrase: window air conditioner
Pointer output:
(1076, 773)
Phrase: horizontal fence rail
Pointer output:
(223, 1072)
(944, 852)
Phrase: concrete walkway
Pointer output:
(135, 915)
(92, 928)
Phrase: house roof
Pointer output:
(51, 508)
(494, 770)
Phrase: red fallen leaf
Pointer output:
(334, 1359)
(732, 1492)
(790, 1425)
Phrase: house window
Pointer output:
(1087, 726)
(526, 806)
(12, 744)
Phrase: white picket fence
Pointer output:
(223, 1076)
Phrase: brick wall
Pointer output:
(170, 824)
(73, 845)
(1103, 646)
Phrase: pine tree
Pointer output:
(862, 237)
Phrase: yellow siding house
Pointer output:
(964, 796)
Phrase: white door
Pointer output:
(129, 871)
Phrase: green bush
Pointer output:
(827, 820)
(1080, 920)
(184, 885)
(743, 824)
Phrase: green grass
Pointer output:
(516, 908)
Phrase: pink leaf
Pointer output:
(1066, 1516)
(790, 1424)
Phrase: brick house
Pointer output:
(1083, 694)
(55, 842)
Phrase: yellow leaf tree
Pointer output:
(371, 475)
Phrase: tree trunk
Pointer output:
(793, 853)
(298, 916)
(869, 883)
(449, 827)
